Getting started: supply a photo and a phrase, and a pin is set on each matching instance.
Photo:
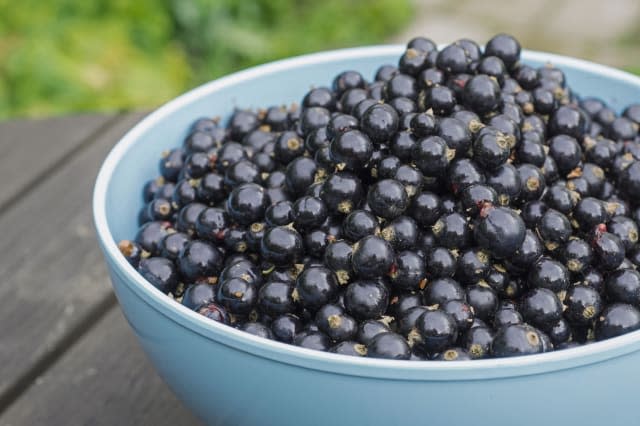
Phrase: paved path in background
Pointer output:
(590, 29)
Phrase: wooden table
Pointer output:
(67, 355)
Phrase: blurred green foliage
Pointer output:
(59, 56)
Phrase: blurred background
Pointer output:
(60, 57)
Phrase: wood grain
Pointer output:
(53, 281)
(32, 149)
(105, 379)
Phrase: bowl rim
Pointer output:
(323, 361)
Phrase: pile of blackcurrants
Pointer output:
(461, 206)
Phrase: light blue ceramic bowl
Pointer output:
(229, 377)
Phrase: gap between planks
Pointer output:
(23, 380)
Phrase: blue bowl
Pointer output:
(233, 378)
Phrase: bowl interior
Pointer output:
(135, 159)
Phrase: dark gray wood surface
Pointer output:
(57, 308)
(104, 379)
(32, 152)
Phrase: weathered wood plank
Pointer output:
(32, 149)
(105, 379)
(53, 276)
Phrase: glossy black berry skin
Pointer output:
(432, 155)
(286, 327)
(319, 97)
(353, 149)
(583, 305)
(589, 212)
(199, 141)
(315, 340)
(425, 208)
(151, 234)
(197, 295)
(372, 257)
(532, 152)
(500, 230)
(452, 231)
(473, 265)
(438, 330)
(281, 246)
(541, 308)
(337, 257)
(342, 192)
(626, 229)
(568, 120)
(482, 94)
(400, 86)
(506, 316)
(316, 286)
(369, 329)
(388, 346)
(247, 203)
(387, 198)
(462, 173)
(505, 47)
(242, 268)
(483, 299)
(554, 229)
(461, 312)
(275, 298)
(358, 224)
(380, 122)
(516, 339)
(507, 183)
(440, 262)
(412, 61)
(300, 174)
(623, 286)
(478, 341)
(491, 150)
(214, 312)
(548, 273)
(199, 259)
(237, 296)
(533, 182)
(339, 326)
(160, 272)
(441, 100)
(453, 59)
(407, 321)
(401, 233)
(411, 178)
(308, 212)
(212, 224)
(366, 299)
(348, 80)
(402, 144)
(423, 125)
(409, 271)
(474, 196)
(211, 189)
(349, 347)
(441, 290)
(279, 214)
(456, 134)
(617, 319)
(529, 251)
(257, 329)
(577, 255)
(608, 249)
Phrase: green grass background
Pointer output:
(63, 56)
